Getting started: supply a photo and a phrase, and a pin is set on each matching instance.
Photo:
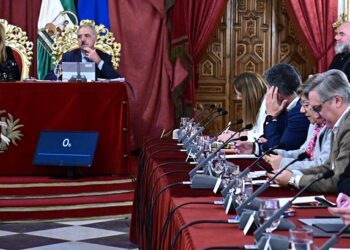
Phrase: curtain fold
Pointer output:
(200, 18)
(141, 29)
(313, 19)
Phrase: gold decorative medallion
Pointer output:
(9, 130)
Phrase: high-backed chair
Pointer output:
(105, 42)
(17, 40)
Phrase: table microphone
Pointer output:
(197, 124)
(247, 169)
(206, 160)
(212, 106)
(221, 113)
(334, 238)
(239, 121)
(258, 232)
(263, 187)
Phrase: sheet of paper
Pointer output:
(234, 156)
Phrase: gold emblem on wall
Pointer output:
(9, 130)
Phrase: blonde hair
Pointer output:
(253, 89)
(3, 55)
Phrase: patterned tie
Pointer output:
(310, 148)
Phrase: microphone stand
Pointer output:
(258, 232)
(335, 237)
(263, 187)
(247, 169)
(211, 156)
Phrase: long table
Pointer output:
(101, 107)
(159, 190)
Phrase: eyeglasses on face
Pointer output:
(318, 108)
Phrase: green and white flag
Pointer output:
(55, 17)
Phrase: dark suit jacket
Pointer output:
(341, 61)
(290, 128)
(340, 157)
(107, 72)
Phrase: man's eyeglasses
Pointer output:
(318, 108)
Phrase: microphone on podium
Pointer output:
(258, 232)
(247, 169)
(263, 187)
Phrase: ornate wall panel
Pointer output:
(252, 36)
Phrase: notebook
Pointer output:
(71, 71)
(66, 148)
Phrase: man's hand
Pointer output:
(92, 54)
(273, 160)
(273, 106)
(283, 178)
(343, 200)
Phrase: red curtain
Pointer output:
(197, 20)
(314, 19)
(25, 14)
(140, 26)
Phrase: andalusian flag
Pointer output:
(55, 17)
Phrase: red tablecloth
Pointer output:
(101, 107)
(163, 156)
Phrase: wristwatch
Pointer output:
(269, 118)
(291, 182)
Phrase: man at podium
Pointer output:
(87, 52)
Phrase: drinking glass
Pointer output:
(57, 71)
(218, 164)
(267, 209)
(243, 188)
(301, 238)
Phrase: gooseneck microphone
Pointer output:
(211, 107)
(334, 238)
(258, 232)
(215, 110)
(263, 187)
(247, 169)
(221, 113)
(212, 155)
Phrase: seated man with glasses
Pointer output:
(316, 146)
(329, 96)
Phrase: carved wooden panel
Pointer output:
(253, 35)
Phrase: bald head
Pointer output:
(342, 38)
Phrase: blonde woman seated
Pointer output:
(317, 145)
(251, 88)
(8, 67)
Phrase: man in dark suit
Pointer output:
(87, 52)
(284, 122)
(329, 96)
(341, 60)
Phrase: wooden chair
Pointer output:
(105, 42)
(17, 40)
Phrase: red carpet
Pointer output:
(44, 198)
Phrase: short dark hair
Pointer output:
(284, 76)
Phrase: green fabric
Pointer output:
(69, 5)
(44, 61)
